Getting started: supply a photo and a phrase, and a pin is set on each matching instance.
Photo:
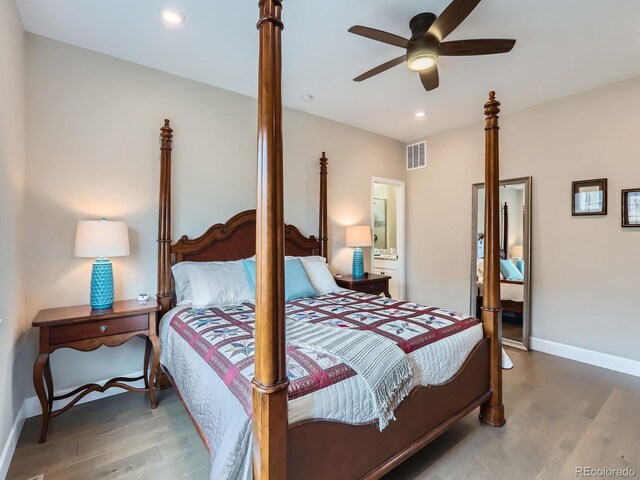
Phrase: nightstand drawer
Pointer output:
(97, 329)
(372, 283)
(377, 287)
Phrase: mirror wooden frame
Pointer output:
(526, 243)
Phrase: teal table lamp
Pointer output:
(101, 239)
(358, 236)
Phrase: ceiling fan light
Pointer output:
(421, 61)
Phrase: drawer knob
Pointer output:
(103, 328)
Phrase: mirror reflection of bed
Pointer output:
(515, 234)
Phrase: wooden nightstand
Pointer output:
(372, 283)
(84, 329)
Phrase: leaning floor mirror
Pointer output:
(515, 258)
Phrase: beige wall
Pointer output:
(93, 127)
(584, 270)
(12, 178)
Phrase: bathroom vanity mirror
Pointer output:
(515, 258)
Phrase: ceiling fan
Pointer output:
(426, 43)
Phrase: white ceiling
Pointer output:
(563, 47)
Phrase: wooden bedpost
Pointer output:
(322, 230)
(164, 221)
(270, 383)
(492, 411)
(163, 293)
(505, 231)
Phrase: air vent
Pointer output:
(416, 155)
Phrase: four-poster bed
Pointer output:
(291, 450)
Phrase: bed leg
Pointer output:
(494, 416)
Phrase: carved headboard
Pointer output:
(236, 239)
(233, 240)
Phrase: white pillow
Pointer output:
(480, 270)
(214, 284)
(310, 258)
(182, 285)
(320, 276)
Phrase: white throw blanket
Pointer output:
(383, 366)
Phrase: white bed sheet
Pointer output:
(508, 291)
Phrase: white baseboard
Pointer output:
(33, 404)
(604, 360)
(12, 441)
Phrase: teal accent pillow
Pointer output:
(509, 270)
(520, 265)
(296, 281)
(250, 268)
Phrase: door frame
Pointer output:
(400, 226)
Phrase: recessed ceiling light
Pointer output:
(420, 114)
(307, 98)
(172, 16)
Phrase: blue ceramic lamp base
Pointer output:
(357, 270)
(102, 284)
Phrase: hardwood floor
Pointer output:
(560, 415)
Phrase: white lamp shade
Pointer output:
(516, 251)
(101, 238)
(359, 236)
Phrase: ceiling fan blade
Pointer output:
(380, 36)
(452, 16)
(430, 78)
(486, 46)
(381, 68)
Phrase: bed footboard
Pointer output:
(330, 450)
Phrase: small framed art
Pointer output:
(631, 207)
(589, 197)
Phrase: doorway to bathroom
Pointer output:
(388, 226)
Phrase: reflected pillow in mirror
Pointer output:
(509, 271)
(480, 269)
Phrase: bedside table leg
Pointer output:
(39, 385)
(155, 342)
(49, 379)
(147, 356)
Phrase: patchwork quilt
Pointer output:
(224, 337)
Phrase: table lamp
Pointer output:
(358, 236)
(101, 239)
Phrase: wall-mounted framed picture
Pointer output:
(631, 207)
(589, 197)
